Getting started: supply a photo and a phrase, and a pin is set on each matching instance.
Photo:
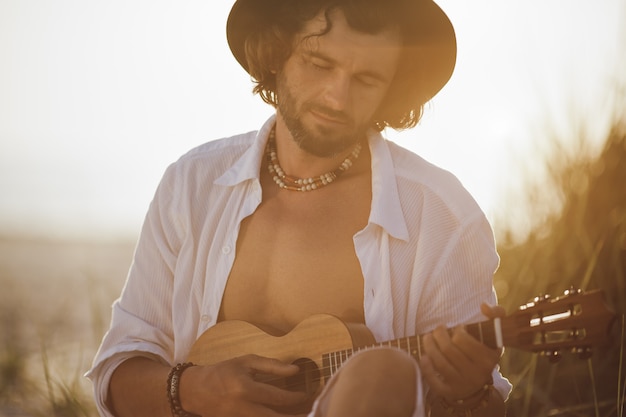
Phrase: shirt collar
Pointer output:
(248, 166)
(386, 208)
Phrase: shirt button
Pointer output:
(226, 250)
(205, 317)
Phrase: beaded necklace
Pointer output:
(289, 182)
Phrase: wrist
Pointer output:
(173, 390)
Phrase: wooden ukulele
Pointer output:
(320, 344)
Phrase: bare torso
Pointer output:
(295, 254)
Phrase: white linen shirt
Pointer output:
(427, 253)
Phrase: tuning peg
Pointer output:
(572, 291)
(584, 352)
(553, 355)
(538, 299)
(541, 297)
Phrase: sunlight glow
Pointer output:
(97, 98)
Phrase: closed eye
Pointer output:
(319, 63)
(324, 63)
(368, 80)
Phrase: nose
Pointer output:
(336, 94)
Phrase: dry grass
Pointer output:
(582, 244)
(54, 309)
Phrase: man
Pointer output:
(314, 213)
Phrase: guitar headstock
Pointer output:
(576, 322)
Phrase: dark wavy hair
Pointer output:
(268, 48)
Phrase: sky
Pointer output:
(97, 98)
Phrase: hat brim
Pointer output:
(430, 38)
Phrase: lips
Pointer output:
(330, 116)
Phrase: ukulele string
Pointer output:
(311, 375)
(338, 358)
(301, 378)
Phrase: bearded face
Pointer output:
(332, 84)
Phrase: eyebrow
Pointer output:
(367, 73)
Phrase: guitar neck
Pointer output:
(487, 332)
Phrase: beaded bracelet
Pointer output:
(467, 406)
(173, 381)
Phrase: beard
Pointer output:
(318, 140)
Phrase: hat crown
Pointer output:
(429, 36)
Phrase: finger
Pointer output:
(465, 342)
(432, 377)
(440, 365)
(446, 355)
(475, 351)
(266, 386)
(492, 311)
(271, 366)
(479, 359)
(470, 362)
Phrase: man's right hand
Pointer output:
(234, 389)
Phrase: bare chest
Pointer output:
(298, 259)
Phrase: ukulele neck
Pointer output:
(487, 332)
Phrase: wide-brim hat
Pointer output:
(430, 37)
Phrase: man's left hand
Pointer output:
(456, 365)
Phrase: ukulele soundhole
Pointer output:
(307, 380)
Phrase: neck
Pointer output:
(298, 162)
